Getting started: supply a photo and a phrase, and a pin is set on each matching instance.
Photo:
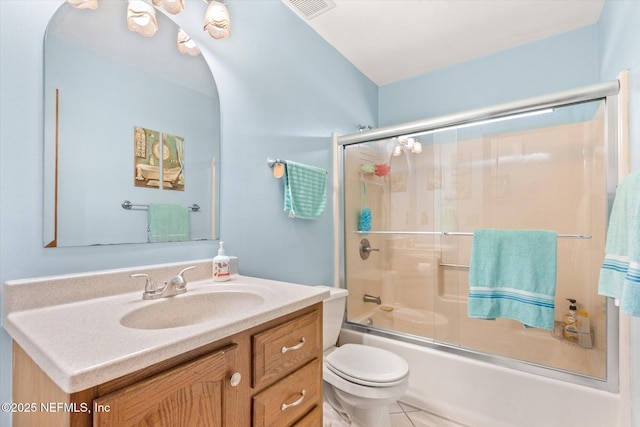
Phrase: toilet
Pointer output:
(360, 381)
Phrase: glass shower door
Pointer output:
(428, 192)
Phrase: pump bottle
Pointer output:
(221, 265)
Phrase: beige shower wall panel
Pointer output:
(540, 180)
(363, 276)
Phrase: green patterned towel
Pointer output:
(305, 190)
(168, 223)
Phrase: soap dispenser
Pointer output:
(221, 265)
(570, 331)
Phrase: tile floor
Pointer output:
(403, 415)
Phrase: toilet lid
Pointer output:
(367, 365)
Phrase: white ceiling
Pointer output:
(392, 40)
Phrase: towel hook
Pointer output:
(271, 162)
(278, 167)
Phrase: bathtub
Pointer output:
(478, 393)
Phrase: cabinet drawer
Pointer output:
(286, 347)
(312, 419)
(289, 399)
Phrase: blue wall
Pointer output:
(565, 61)
(282, 98)
(619, 49)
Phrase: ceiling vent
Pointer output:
(309, 9)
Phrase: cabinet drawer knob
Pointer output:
(235, 379)
(298, 346)
(285, 406)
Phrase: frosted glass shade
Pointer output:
(84, 4)
(187, 46)
(171, 6)
(216, 20)
(141, 18)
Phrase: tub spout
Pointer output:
(371, 298)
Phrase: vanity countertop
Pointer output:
(70, 325)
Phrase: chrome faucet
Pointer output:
(177, 285)
(371, 298)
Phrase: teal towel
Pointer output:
(168, 223)
(513, 275)
(305, 190)
(620, 272)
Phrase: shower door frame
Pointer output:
(607, 92)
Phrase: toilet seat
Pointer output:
(368, 366)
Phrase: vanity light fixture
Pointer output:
(186, 45)
(84, 4)
(216, 20)
(141, 18)
(171, 6)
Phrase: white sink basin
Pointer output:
(190, 309)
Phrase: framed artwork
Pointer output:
(146, 163)
(158, 158)
(173, 162)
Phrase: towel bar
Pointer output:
(459, 233)
(128, 206)
(272, 162)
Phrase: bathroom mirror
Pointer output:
(118, 109)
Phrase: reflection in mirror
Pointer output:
(126, 118)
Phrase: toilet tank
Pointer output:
(332, 316)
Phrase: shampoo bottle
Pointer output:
(221, 266)
(570, 332)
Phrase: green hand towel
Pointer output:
(305, 190)
(168, 223)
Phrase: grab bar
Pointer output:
(453, 265)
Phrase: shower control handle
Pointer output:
(366, 249)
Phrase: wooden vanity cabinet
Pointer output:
(195, 393)
(269, 375)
